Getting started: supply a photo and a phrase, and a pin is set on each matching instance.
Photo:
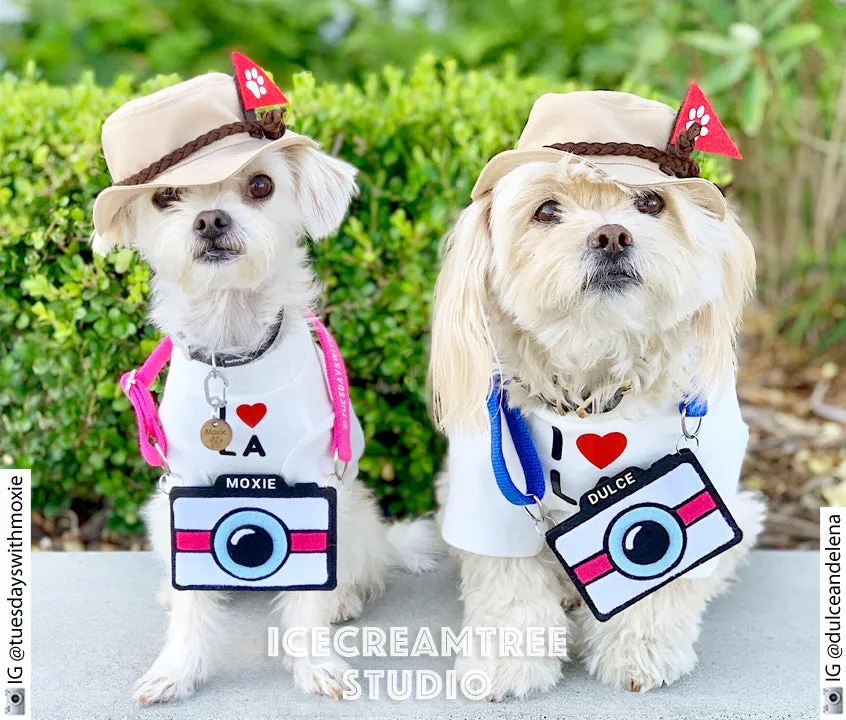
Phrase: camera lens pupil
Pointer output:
(250, 546)
(15, 699)
(646, 542)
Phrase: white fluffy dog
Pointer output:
(566, 284)
(226, 258)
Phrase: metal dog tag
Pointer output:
(216, 434)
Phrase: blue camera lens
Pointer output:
(250, 544)
(645, 542)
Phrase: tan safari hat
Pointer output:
(625, 136)
(194, 133)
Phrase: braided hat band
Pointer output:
(675, 160)
(270, 125)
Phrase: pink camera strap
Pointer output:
(136, 386)
(151, 437)
(339, 389)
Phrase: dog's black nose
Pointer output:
(613, 240)
(210, 224)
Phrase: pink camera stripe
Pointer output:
(696, 507)
(309, 541)
(303, 541)
(593, 569)
(689, 512)
(193, 540)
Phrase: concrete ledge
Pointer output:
(97, 628)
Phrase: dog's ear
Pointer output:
(462, 351)
(716, 325)
(118, 234)
(325, 186)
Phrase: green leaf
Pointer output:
(756, 92)
(795, 37)
(712, 43)
(777, 15)
(727, 74)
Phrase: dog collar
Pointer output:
(224, 360)
(564, 405)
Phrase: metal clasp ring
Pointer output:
(216, 401)
(167, 481)
(687, 435)
(159, 450)
(685, 431)
(339, 471)
(683, 441)
(164, 483)
(541, 519)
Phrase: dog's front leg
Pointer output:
(196, 622)
(652, 642)
(363, 560)
(518, 593)
(193, 640)
(302, 613)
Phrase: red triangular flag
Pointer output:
(713, 137)
(255, 87)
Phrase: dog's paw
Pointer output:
(511, 677)
(324, 677)
(158, 686)
(641, 666)
(350, 605)
(571, 602)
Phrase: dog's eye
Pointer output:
(548, 212)
(650, 203)
(164, 197)
(260, 186)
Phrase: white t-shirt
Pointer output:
(278, 407)
(477, 517)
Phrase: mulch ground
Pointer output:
(795, 404)
(793, 399)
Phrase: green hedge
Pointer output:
(70, 323)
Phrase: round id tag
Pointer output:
(216, 434)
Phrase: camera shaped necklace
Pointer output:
(248, 530)
(636, 530)
(215, 433)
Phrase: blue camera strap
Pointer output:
(523, 444)
(695, 407)
(527, 454)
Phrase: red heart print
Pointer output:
(601, 450)
(252, 415)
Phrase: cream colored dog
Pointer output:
(224, 235)
(569, 283)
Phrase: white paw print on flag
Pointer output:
(255, 82)
(698, 115)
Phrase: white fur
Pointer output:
(231, 306)
(513, 297)
(511, 294)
